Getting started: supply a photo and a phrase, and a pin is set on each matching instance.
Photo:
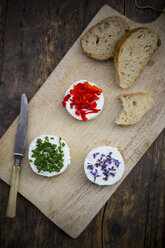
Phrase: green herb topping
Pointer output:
(47, 156)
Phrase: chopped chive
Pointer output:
(48, 157)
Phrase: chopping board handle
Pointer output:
(12, 201)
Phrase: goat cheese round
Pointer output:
(89, 115)
(57, 142)
(104, 165)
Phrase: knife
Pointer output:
(19, 148)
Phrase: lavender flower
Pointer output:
(105, 178)
(112, 168)
(109, 155)
(102, 155)
(95, 154)
(116, 162)
(105, 173)
(90, 167)
(94, 174)
(109, 160)
(112, 174)
(104, 165)
(97, 164)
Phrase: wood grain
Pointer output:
(78, 200)
(36, 230)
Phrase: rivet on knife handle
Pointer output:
(19, 148)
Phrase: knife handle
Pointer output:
(12, 201)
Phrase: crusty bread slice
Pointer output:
(99, 41)
(133, 51)
(135, 105)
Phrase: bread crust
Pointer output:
(134, 94)
(125, 26)
(119, 45)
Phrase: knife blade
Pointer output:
(20, 142)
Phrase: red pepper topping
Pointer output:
(84, 97)
(66, 98)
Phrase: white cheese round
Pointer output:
(100, 103)
(92, 164)
(67, 158)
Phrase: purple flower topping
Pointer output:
(116, 162)
(105, 178)
(95, 174)
(109, 155)
(102, 155)
(95, 154)
(109, 160)
(106, 164)
(90, 167)
(112, 168)
(97, 164)
(105, 172)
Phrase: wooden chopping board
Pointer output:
(70, 200)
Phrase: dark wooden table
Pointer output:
(34, 36)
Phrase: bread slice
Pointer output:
(133, 51)
(99, 41)
(135, 105)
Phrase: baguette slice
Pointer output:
(133, 51)
(99, 41)
(135, 105)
